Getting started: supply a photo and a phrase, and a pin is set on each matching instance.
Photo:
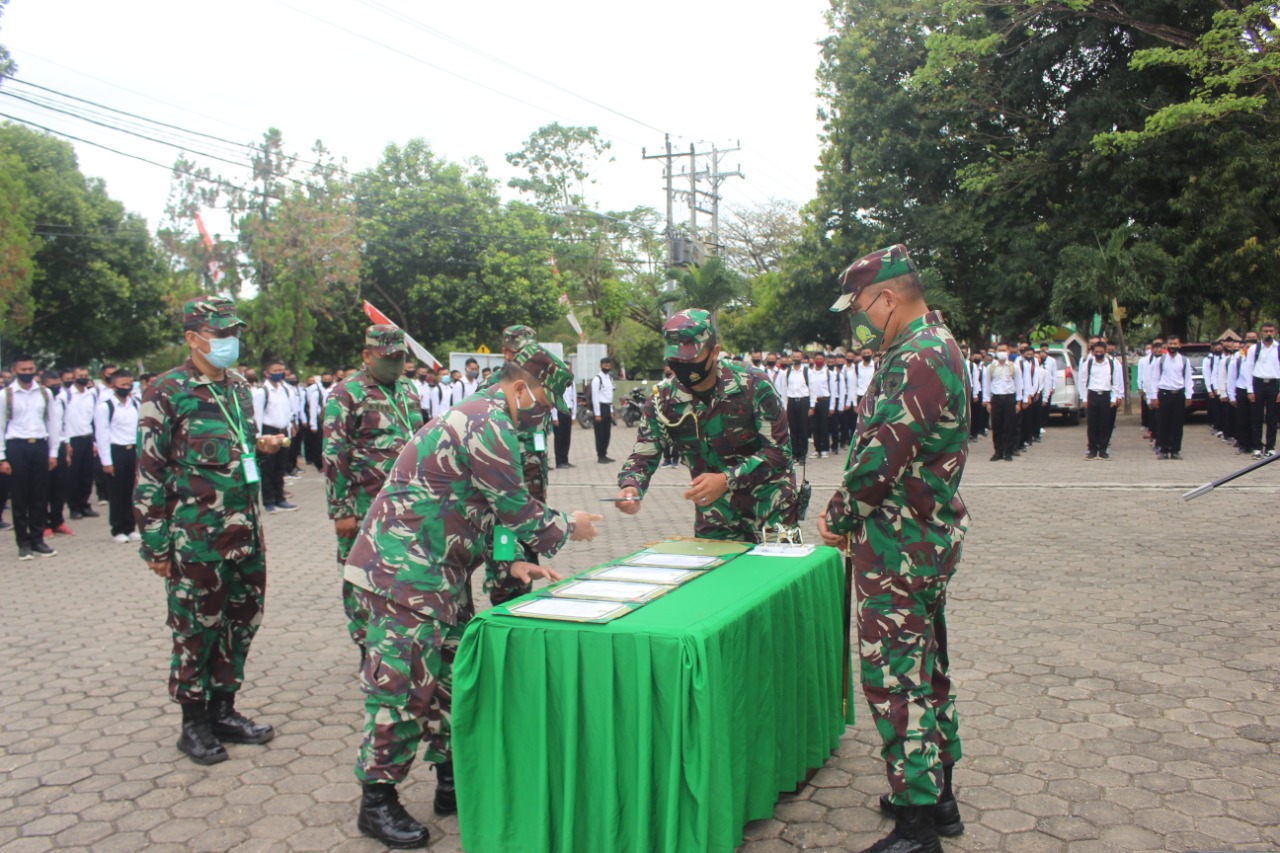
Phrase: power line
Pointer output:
(404, 18)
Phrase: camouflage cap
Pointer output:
(216, 312)
(872, 269)
(384, 340)
(688, 333)
(516, 338)
(547, 369)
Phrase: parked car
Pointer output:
(1196, 354)
(1066, 399)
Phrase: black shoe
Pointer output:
(1174, 455)
(384, 819)
(24, 553)
(198, 740)
(1106, 454)
(1008, 457)
(40, 549)
(1091, 455)
(446, 792)
(232, 726)
(913, 832)
(1162, 455)
(604, 460)
(997, 457)
(76, 515)
(946, 813)
(89, 512)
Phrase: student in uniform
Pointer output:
(602, 409)
(29, 425)
(1102, 382)
(116, 434)
(980, 417)
(563, 426)
(1049, 365)
(1032, 394)
(1262, 378)
(273, 413)
(1169, 389)
(82, 401)
(820, 403)
(56, 522)
(1002, 395)
(795, 385)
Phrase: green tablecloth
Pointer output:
(665, 730)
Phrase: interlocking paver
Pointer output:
(1114, 654)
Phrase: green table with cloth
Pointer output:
(667, 729)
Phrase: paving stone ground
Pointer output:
(1114, 650)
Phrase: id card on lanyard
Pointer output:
(248, 461)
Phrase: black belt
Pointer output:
(125, 446)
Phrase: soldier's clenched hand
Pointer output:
(527, 572)
(346, 528)
(160, 567)
(584, 526)
(706, 489)
(835, 540)
(632, 506)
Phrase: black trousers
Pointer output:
(124, 462)
(80, 474)
(1265, 410)
(271, 467)
(1170, 417)
(835, 427)
(1004, 423)
(312, 441)
(821, 414)
(980, 420)
(798, 424)
(58, 489)
(294, 450)
(564, 435)
(604, 430)
(1146, 415)
(28, 488)
(1029, 419)
(1042, 415)
(1244, 420)
(1099, 420)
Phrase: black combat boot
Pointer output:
(913, 832)
(384, 819)
(946, 814)
(232, 726)
(197, 741)
(446, 791)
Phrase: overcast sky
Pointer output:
(707, 72)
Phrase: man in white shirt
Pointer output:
(979, 417)
(1262, 369)
(1049, 365)
(1155, 349)
(468, 383)
(602, 409)
(1102, 383)
(1002, 396)
(29, 425)
(55, 521)
(116, 434)
(1223, 387)
(1241, 385)
(563, 426)
(820, 403)
(298, 425)
(864, 371)
(273, 413)
(795, 388)
(82, 400)
(1169, 389)
(1032, 395)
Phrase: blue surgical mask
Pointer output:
(446, 380)
(223, 352)
(276, 377)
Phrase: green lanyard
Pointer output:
(402, 416)
(236, 424)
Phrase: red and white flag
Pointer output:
(424, 357)
(564, 300)
(215, 271)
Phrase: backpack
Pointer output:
(8, 401)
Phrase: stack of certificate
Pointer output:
(605, 593)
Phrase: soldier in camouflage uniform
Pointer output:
(455, 495)
(898, 506)
(198, 511)
(500, 585)
(368, 419)
(728, 422)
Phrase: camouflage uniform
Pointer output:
(500, 586)
(739, 430)
(428, 529)
(194, 508)
(366, 425)
(899, 500)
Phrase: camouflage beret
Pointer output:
(516, 338)
(216, 312)
(688, 333)
(384, 340)
(547, 369)
(872, 269)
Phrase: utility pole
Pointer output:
(676, 255)
(715, 177)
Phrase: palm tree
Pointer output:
(711, 287)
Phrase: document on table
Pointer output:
(570, 609)
(610, 590)
(699, 547)
(782, 549)
(673, 561)
(643, 574)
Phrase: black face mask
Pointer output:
(756, 362)
(83, 381)
(771, 364)
(1172, 350)
(866, 359)
(690, 373)
(26, 378)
